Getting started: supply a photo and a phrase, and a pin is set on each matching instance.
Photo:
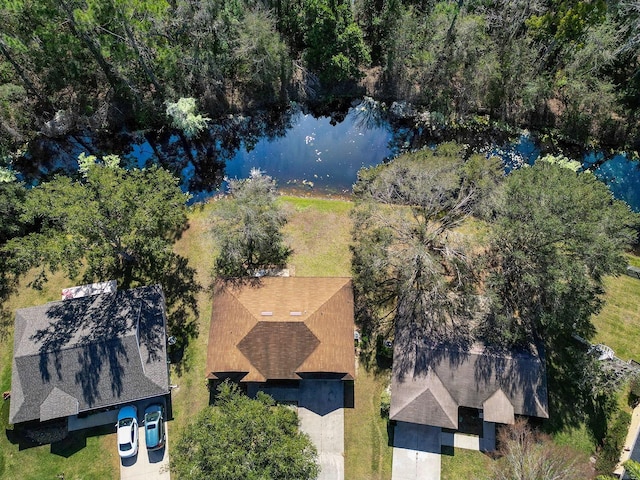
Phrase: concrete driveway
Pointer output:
(321, 413)
(416, 452)
(147, 465)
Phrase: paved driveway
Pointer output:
(321, 412)
(147, 465)
(416, 452)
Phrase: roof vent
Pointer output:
(266, 314)
(295, 314)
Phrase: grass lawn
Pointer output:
(368, 454)
(468, 464)
(618, 324)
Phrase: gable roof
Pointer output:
(81, 354)
(430, 382)
(278, 328)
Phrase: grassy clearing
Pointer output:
(191, 396)
(617, 323)
(368, 454)
(579, 438)
(468, 464)
(319, 231)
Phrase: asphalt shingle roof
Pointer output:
(430, 382)
(276, 328)
(93, 352)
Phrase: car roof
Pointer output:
(127, 412)
(152, 436)
(153, 408)
(124, 435)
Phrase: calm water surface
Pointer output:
(299, 150)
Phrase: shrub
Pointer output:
(613, 443)
(634, 391)
(385, 402)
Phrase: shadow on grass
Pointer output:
(571, 373)
(62, 443)
(390, 432)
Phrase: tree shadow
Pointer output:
(573, 399)
(180, 287)
(94, 327)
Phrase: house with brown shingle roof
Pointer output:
(465, 388)
(275, 329)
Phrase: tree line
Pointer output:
(567, 65)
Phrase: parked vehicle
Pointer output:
(127, 431)
(154, 429)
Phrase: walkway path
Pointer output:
(416, 452)
(321, 412)
(631, 449)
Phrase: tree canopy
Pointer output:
(555, 235)
(571, 66)
(551, 235)
(110, 224)
(248, 226)
(410, 264)
(246, 438)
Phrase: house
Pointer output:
(280, 330)
(76, 357)
(292, 338)
(465, 390)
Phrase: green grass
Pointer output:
(368, 454)
(465, 464)
(617, 324)
(633, 260)
(319, 231)
(578, 438)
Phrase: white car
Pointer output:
(127, 431)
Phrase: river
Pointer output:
(300, 151)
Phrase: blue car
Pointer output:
(127, 431)
(154, 431)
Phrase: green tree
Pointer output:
(410, 264)
(243, 438)
(633, 469)
(12, 197)
(248, 227)
(111, 224)
(335, 47)
(556, 234)
(184, 117)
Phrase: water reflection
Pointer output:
(315, 152)
(298, 149)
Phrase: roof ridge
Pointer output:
(311, 317)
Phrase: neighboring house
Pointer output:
(465, 389)
(279, 330)
(85, 355)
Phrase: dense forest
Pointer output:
(565, 66)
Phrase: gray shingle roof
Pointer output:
(430, 382)
(76, 355)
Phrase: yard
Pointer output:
(319, 233)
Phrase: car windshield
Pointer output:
(125, 422)
(125, 447)
(152, 417)
(151, 426)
